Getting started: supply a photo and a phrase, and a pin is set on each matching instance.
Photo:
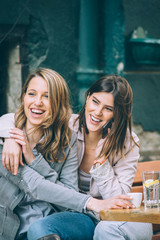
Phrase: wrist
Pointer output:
(91, 204)
(30, 160)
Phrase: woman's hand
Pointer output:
(120, 201)
(13, 149)
(12, 155)
(20, 138)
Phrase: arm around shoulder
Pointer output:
(6, 123)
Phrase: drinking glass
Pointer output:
(151, 189)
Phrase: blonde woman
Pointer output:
(46, 182)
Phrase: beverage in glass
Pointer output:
(151, 189)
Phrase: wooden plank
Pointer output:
(131, 215)
(146, 166)
(137, 189)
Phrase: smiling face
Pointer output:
(36, 103)
(98, 111)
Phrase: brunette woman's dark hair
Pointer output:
(122, 113)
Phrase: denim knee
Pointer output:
(37, 230)
(108, 230)
(68, 225)
(123, 231)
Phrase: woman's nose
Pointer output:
(98, 111)
(38, 101)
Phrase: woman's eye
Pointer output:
(94, 101)
(46, 95)
(31, 94)
(109, 109)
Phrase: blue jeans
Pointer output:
(68, 225)
(123, 230)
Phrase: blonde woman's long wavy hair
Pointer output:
(122, 113)
(55, 129)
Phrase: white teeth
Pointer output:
(95, 119)
(36, 111)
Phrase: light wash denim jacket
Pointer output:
(52, 182)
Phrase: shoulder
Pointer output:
(73, 137)
(7, 117)
(6, 122)
(72, 124)
(134, 135)
(127, 139)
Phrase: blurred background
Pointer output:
(83, 40)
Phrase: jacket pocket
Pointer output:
(2, 218)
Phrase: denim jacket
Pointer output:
(52, 182)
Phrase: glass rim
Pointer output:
(151, 171)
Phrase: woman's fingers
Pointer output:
(16, 135)
(123, 203)
(21, 160)
(4, 159)
(114, 202)
(16, 131)
(7, 162)
(11, 163)
(11, 155)
(15, 166)
(20, 138)
(115, 206)
(22, 143)
(16, 161)
(126, 197)
(12, 151)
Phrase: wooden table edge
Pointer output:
(131, 215)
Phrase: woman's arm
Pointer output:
(40, 188)
(34, 184)
(6, 123)
(68, 169)
(116, 176)
(11, 151)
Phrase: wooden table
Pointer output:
(132, 215)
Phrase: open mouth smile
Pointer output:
(37, 111)
(95, 119)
